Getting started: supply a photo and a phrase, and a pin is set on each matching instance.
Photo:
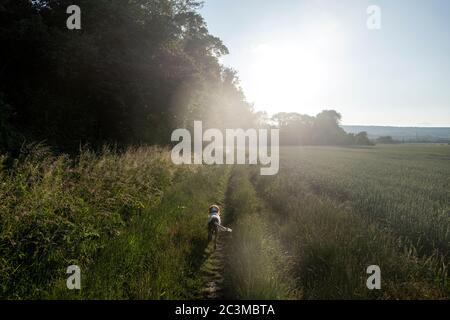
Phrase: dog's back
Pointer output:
(213, 221)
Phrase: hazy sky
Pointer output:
(308, 55)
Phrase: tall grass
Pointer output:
(256, 266)
(135, 224)
(405, 189)
(132, 221)
(326, 229)
(159, 256)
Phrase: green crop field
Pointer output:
(135, 224)
(338, 210)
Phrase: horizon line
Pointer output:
(398, 126)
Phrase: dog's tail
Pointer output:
(222, 228)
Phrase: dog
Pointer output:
(214, 223)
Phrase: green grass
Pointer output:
(132, 221)
(405, 188)
(135, 224)
(257, 267)
(340, 210)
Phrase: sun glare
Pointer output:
(294, 75)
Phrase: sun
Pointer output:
(293, 75)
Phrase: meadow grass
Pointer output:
(136, 225)
(340, 210)
(132, 221)
(257, 267)
(404, 188)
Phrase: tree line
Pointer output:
(323, 129)
(134, 72)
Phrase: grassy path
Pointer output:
(214, 267)
(255, 265)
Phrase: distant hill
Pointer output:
(406, 134)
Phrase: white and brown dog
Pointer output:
(214, 223)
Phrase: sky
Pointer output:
(310, 55)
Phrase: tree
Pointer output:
(135, 71)
(362, 139)
(385, 140)
(324, 129)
